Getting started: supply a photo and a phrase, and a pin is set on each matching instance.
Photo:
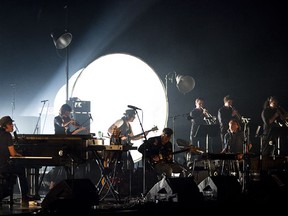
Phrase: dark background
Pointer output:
(229, 47)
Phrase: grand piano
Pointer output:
(57, 150)
(49, 150)
(52, 150)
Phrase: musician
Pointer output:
(125, 128)
(7, 149)
(159, 155)
(236, 142)
(272, 117)
(126, 135)
(225, 114)
(64, 124)
(199, 116)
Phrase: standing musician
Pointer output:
(199, 116)
(273, 117)
(125, 128)
(159, 155)
(126, 136)
(225, 114)
(63, 123)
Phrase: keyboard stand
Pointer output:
(104, 181)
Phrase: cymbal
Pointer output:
(182, 143)
(195, 150)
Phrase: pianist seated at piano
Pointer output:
(64, 124)
(8, 150)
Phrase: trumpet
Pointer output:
(208, 117)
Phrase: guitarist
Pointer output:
(125, 128)
(159, 154)
(126, 135)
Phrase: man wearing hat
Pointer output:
(125, 128)
(126, 135)
(6, 150)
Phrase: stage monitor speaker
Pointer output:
(186, 189)
(182, 190)
(222, 188)
(71, 194)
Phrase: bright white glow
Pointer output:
(111, 83)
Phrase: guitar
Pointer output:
(155, 128)
(160, 158)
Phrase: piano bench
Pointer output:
(7, 182)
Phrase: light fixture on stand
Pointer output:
(185, 84)
(62, 40)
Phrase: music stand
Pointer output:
(207, 131)
(278, 133)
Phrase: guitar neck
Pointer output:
(141, 134)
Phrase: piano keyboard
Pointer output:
(32, 157)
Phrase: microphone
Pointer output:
(134, 107)
(43, 101)
(90, 116)
(258, 131)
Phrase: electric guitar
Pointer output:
(155, 128)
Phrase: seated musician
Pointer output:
(159, 155)
(234, 141)
(7, 149)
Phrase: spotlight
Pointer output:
(61, 40)
(185, 83)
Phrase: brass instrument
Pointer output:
(283, 115)
(208, 117)
(242, 119)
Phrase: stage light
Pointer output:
(61, 39)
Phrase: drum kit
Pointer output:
(197, 160)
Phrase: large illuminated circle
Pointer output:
(113, 82)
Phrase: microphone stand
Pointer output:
(37, 124)
(144, 154)
(246, 161)
(34, 172)
(173, 128)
